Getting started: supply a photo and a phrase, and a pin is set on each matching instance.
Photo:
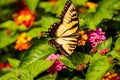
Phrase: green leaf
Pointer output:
(105, 44)
(11, 25)
(34, 32)
(32, 4)
(78, 2)
(77, 58)
(103, 12)
(39, 66)
(100, 65)
(46, 22)
(114, 54)
(87, 58)
(6, 39)
(39, 50)
(116, 18)
(49, 76)
(17, 74)
(67, 62)
(6, 2)
(117, 44)
(14, 62)
(53, 8)
(22, 27)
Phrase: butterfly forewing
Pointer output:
(69, 21)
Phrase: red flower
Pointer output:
(4, 65)
(1, 65)
(25, 16)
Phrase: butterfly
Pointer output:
(65, 31)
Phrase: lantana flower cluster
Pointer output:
(57, 65)
(95, 37)
(82, 38)
(111, 76)
(25, 16)
(22, 42)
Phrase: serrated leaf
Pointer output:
(39, 50)
(14, 62)
(105, 44)
(114, 54)
(39, 66)
(67, 62)
(32, 4)
(100, 65)
(5, 39)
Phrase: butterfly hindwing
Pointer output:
(65, 45)
(65, 30)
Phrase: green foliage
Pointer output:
(14, 62)
(105, 44)
(77, 58)
(39, 66)
(100, 65)
(39, 50)
(32, 4)
(31, 64)
(117, 44)
(67, 62)
(6, 2)
(17, 74)
(105, 10)
(6, 39)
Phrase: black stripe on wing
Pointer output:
(74, 26)
(67, 5)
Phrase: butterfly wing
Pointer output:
(65, 45)
(65, 30)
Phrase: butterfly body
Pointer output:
(65, 31)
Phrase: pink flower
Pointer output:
(57, 65)
(95, 37)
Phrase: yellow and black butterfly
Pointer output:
(65, 31)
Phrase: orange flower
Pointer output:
(111, 76)
(82, 38)
(91, 5)
(25, 16)
(22, 42)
